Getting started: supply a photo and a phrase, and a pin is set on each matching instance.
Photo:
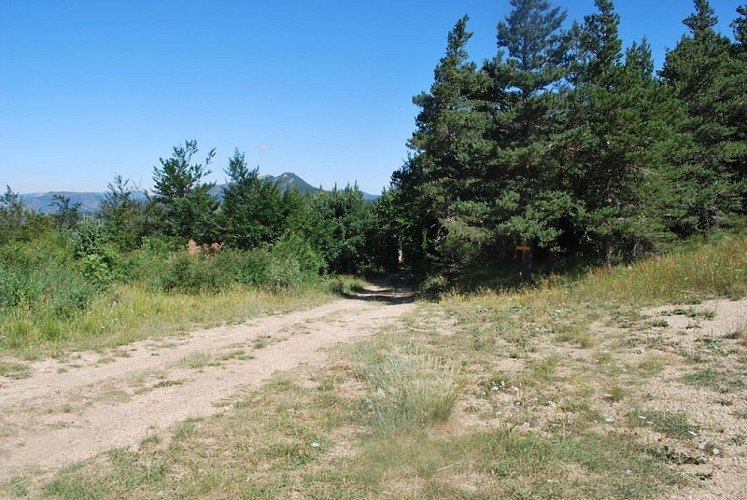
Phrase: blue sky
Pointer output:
(90, 88)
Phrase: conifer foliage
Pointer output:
(568, 146)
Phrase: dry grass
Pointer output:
(129, 313)
(570, 391)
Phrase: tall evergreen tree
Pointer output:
(738, 106)
(528, 182)
(252, 211)
(619, 142)
(740, 27)
(183, 196)
(701, 72)
(448, 153)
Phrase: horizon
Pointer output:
(94, 89)
(137, 188)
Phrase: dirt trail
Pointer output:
(71, 410)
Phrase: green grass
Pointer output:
(132, 312)
(410, 390)
(714, 269)
(722, 381)
(492, 395)
(198, 360)
(673, 424)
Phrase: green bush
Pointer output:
(193, 274)
(292, 262)
(51, 248)
(52, 290)
(248, 267)
(433, 287)
(98, 259)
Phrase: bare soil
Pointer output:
(73, 409)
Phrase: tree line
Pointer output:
(270, 236)
(571, 148)
(564, 148)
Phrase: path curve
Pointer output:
(64, 413)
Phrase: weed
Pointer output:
(151, 438)
(673, 424)
(261, 341)
(408, 391)
(198, 360)
(693, 313)
(576, 334)
(652, 365)
(17, 487)
(615, 394)
(14, 370)
(167, 383)
(498, 382)
(722, 381)
(669, 455)
(658, 323)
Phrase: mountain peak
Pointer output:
(42, 202)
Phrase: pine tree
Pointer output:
(740, 27)
(738, 105)
(252, 211)
(618, 143)
(449, 153)
(701, 72)
(183, 196)
(530, 188)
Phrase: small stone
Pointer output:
(628, 472)
(716, 451)
(315, 445)
(609, 420)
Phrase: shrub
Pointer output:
(292, 262)
(52, 289)
(432, 287)
(98, 259)
(193, 274)
(248, 267)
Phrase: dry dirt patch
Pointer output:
(68, 411)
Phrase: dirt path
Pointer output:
(71, 410)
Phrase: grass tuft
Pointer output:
(722, 381)
(673, 424)
(14, 370)
(409, 391)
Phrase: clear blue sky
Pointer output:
(90, 88)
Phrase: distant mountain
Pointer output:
(42, 202)
(289, 180)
